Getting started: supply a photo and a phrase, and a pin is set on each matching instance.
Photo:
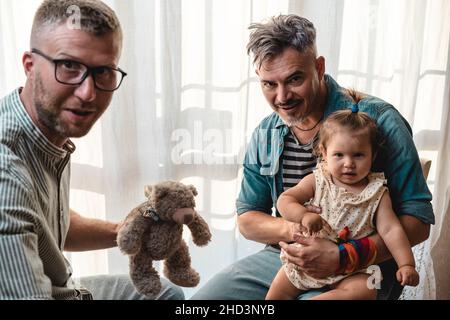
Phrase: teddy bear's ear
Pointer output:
(192, 188)
(148, 190)
(161, 191)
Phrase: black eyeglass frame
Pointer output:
(89, 71)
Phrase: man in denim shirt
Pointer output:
(295, 85)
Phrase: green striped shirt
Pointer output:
(34, 208)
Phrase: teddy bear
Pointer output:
(153, 231)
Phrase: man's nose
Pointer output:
(86, 91)
(283, 94)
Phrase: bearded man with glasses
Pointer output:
(71, 76)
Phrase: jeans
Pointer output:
(120, 287)
(250, 279)
(247, 279)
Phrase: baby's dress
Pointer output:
(340, 209)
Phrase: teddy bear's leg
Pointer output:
(144, 275)
(200, 231)
(177, 268)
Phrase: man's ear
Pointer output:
(28, 64)
(320, 67)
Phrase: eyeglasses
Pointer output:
(71, 72)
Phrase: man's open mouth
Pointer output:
(81, 113)
(290, 105)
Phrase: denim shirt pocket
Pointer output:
(270, 147)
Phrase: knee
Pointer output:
(218, 287)
(170, 291)
(211, 290)
(176, 293)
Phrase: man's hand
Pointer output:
(294, 228)
(118, 226)
(317, 257)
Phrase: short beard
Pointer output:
(293, 122)
(45, 109)
(48, 119)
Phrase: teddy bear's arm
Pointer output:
(200, 231)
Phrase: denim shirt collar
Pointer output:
(280, 123)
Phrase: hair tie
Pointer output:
(355, 108)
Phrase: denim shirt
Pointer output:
(262, 178)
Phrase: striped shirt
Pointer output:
(34, 208)
(298, 160)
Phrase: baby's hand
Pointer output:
(312, 222)
(408, 276)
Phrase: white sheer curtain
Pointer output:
(191, 101)
(183, 113)
(399, 51)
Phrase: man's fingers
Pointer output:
(326, 227)
(300, 229)
(290, 249)
(302, 240)
(283, 245)
(290, 253)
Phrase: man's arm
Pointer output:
(87, 234)
(261, 227)
(22, 274)
(254, 203)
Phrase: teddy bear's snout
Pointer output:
(184, 216)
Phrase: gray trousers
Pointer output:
(246, 279)
(250, 279)
(120, 287)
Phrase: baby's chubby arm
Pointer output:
(391, 231)
(290, 206)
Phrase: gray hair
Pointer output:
(270, 39)
(95, 16)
